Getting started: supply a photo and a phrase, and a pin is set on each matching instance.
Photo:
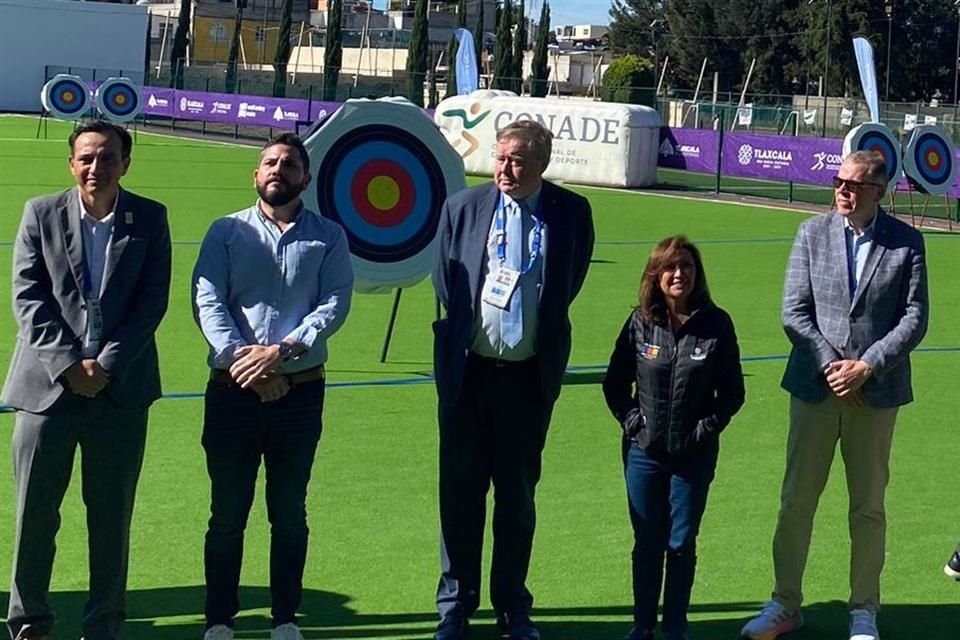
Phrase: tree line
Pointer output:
(795, 44)
(507, 73)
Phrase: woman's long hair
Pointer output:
(651, 303)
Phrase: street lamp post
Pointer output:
(826, 72)
(956, 62)
(656, 51)
(888, 9)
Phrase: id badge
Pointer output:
(94, 321)
(499, 287)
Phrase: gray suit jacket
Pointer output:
(49, 306)
(880, 324)
(458, 280)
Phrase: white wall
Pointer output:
(84, 35)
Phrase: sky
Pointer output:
(563, 11)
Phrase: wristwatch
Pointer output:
(286, 351)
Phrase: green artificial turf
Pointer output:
(373, 560)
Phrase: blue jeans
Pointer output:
(667, 496)
(238, 432)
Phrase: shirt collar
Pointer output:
(530, 201)
(87, 217)
(867, 232)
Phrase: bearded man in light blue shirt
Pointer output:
(271, 285)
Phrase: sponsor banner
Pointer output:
(688, 149)
(228, 108)
(805, 160)
(593, 142)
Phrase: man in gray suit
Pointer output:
(854, 307)
(91, 279)
(511, 258)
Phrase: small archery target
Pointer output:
(66, 96)
(929, 160)
(119, 100)
(383, 171)
(873, 136)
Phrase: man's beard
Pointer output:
(285, 193)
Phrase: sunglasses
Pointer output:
(853, 185)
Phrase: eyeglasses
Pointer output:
(853, 185)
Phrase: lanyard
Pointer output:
(500, 230)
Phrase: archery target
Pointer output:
(382, 170)
(929, 161)
(118, 99)
(66, 96)
(872, 136)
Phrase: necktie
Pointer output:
(511, 318)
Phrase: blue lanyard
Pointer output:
(500, 230)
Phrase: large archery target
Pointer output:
(929, 160)
(66, 96)
(873, 136)
(119, 100)
(382, 169)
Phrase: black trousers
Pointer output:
(238, 431)
(495, 432)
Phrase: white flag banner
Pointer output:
(846, 117)
(745, 115)
(868, 76)
(929, 119)
(909, 121)
(810, 116)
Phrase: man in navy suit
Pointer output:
(511, 258)
(854, 307)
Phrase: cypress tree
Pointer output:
(519, 48)
(417, 54)
(503, 50)
(283, 50)
(178, 52)
(478, 37)
(333, 49)
(230, 82)
(539, 68)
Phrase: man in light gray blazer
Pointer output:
(91, 280)
(854, 307)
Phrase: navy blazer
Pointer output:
(881, 323)
(458, 279)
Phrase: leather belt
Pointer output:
(298, 377)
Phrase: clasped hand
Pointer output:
(846, 377)
(255, 368)
(86, 378)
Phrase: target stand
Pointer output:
(930, 165)
(382, 170)
(64, 96)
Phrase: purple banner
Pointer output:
(228, 108)
(688, 149)
(766, 157)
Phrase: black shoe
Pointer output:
(517, 626)
(637, 633)
(952, 567)
(452, 627)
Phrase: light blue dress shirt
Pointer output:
(858, 248)
(96, 240)
(255, 285)
(487, 340)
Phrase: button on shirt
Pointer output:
(256, 285)
(96, 241)
(858, 248)
(486, 338)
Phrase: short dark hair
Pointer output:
(652, 303)
(106, 128)
(290, 140)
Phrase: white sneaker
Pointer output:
(288, 631)
(863, 625)
(218, 632)
(774, 620)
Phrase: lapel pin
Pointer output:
(128, 217)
